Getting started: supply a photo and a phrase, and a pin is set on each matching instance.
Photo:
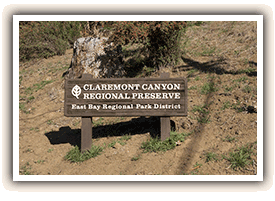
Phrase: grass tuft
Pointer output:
(208, 88)
(37, 86)
(23, 108)
(135, 158)
(125, 137)
(211, 156)
(201, 109)
(226, 105)
(112, 144)
(75, 155)
(228, 139)
(156, 145)
(240, 157)
(247, 89)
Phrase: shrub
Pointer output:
(160, 39)
(42, 39)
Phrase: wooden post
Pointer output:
(164, 121)
(86, 127)
(86, 133)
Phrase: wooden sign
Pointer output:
(126, 97)
(87, 98)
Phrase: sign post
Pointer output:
(88, 97)
(164, 121)
(86, 127)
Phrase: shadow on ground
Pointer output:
(197, 136)
(213, 66)
(141, 125)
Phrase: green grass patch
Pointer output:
(195, 169)
(201, 109)
(121, 142)
(247, 89)
(135, 158)
(240, 157)
(112, 144)
(37, 86)
(225, 105)
(20, 79)
(156, 145)
(23, 108)
(50, 122)
(148, 70)
(25, 170)
(197, 78)
(192, 88)
(57, 68)
(208, 51)
(242, 79)
(192, 71)
(197, 165)
(39, 161)
(211, 156)
(76, 123)
(22, 97)
(125, 137)
(35, 129)
(50, 150)
(75, 155)
(30, 98)
(204, 119)
(228, 89)
(208, 88)
(41, 84)
(249, 70)
(99, 122)
(228, 139)
(237, 107)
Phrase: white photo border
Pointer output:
(258, 177)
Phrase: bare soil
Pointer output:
(217, 54)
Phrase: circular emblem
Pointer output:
(76, 91)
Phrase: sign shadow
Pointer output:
(140, 125)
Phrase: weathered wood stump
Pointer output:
(97, 57)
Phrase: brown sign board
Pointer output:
(125, 97)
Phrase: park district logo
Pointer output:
(76, 91)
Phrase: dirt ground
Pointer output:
(220, 62)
